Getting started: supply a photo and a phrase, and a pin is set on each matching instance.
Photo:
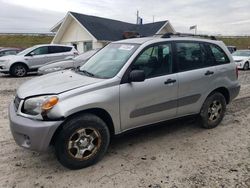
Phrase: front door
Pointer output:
(154, 99)
(37, 57)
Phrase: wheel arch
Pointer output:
(101, 113)
(224, 91)
(20, 62)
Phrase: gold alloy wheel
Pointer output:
(214, 111)
(84, 143)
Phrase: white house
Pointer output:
(90, 32)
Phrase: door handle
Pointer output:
(209, 73)
(169, 81)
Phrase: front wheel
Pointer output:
(213, 110)
(18, 70)
(82, 141)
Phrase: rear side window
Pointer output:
(192, 55)
(219, 55)
(59, 49)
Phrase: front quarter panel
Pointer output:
(105, 97)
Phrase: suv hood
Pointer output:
(237, 58)
(54, 83)
(7, 57)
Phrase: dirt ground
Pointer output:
(177, 154)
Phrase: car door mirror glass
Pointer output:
(137, 76)
(31, 54)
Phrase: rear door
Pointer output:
(223, 69)
(196, 75)
(154, 99)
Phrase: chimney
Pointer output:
(138, 19)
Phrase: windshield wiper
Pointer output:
(87, 73)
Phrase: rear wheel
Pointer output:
(82, 141)
(18, 70)
(246, 66)
(213, 110)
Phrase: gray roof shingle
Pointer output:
(112, 30)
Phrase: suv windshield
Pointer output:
(108, 62)
(241, 53)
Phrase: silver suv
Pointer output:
(33, 58)
(127, 84)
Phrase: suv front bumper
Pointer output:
(31, 134)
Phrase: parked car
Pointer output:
(9, 51)
(242, 59)
(231, 49)
(126, 85)
(67, 63)
(32, 58)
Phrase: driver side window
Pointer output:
(40, 51)
(155, 61)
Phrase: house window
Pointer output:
(87, 46)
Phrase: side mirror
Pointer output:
(32, 54)
(137, 76)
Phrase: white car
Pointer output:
(67, 63)
(33, 58)
(242, 59)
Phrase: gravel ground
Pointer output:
(179, 154)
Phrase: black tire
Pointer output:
(210, 116)
(246, 66)
(18, 70)
(72, 141)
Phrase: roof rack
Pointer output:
(169, 35)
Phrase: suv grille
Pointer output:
(17, 101)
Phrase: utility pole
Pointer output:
(137, 17)
(153, 19)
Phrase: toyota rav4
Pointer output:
(127, 84)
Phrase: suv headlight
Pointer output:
(38, 105)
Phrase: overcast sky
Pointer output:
(227, 17)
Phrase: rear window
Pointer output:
(192, 55)
(59, 49)
(219, 55)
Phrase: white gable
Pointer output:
(71, 31)
(75, 32)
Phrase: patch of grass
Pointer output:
(240, 43)
(23, 41)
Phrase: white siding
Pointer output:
(80, 47)
(75, 33)
(98, 45)
(166, 29)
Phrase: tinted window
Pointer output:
(59, 49)
(191, 55)
(155, 61)
(219, 55)
(242, 53)
(40, 50)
